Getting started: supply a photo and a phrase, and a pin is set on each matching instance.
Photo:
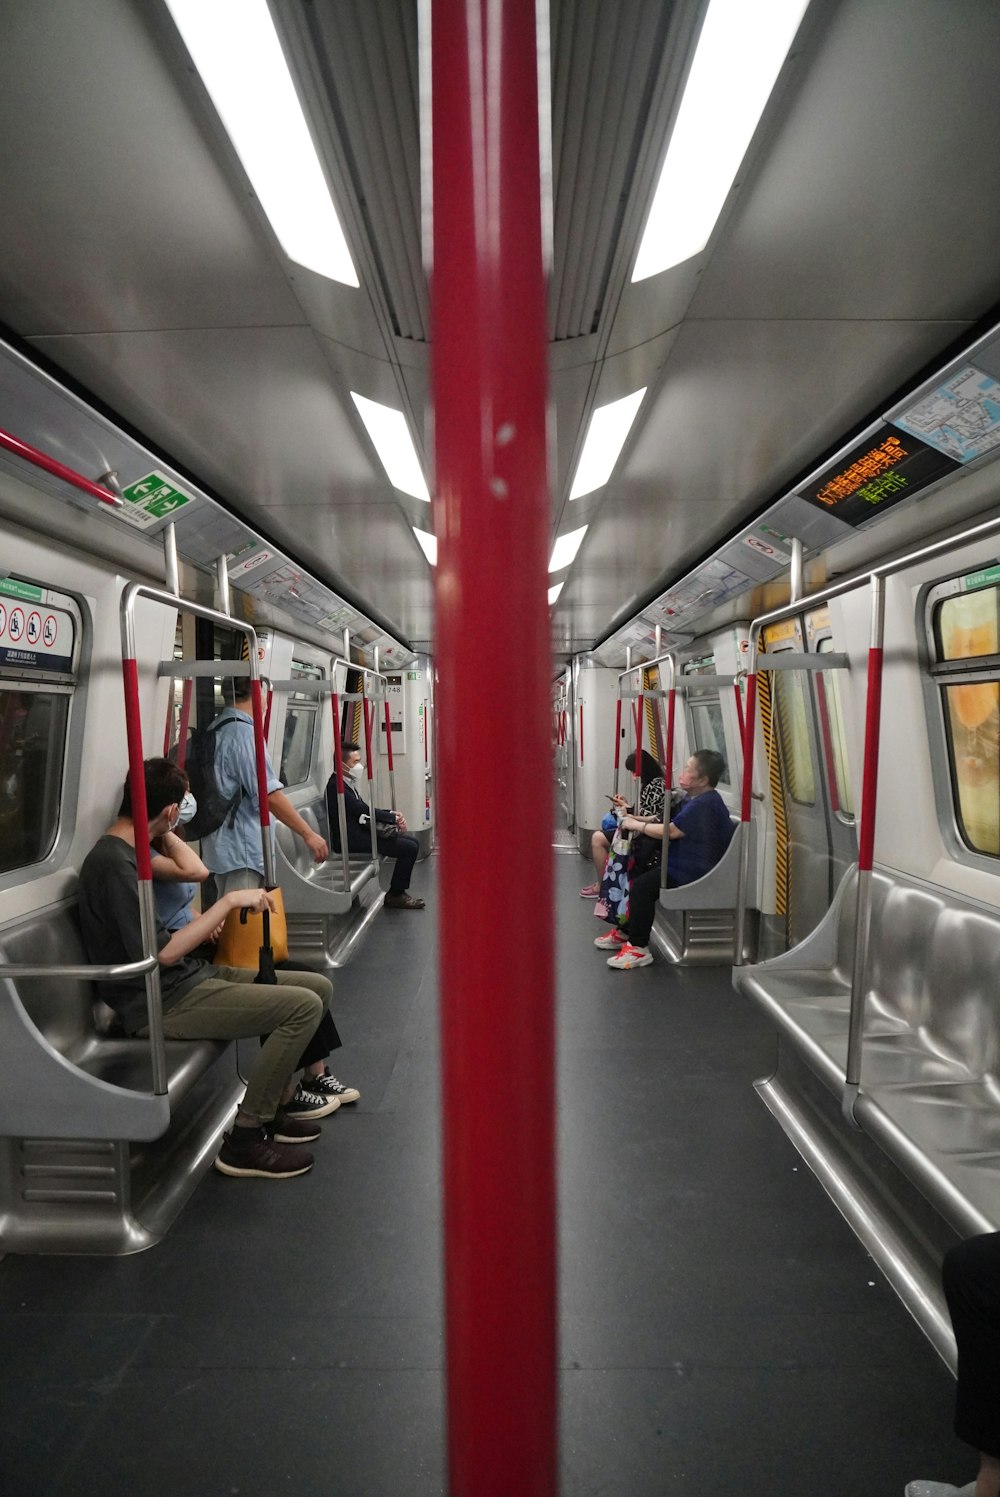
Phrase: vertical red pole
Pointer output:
(741, 721)
(668, 768)
(258, 743)
(369, 764)
(492, 507)
(748, 741)
(869, 774)
(637, 771)
(618, 731)
(338, 752)
(388, 735)
(581, 732)
(136, 770)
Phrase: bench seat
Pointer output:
(90, 1159)
(929, 1087)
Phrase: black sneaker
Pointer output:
(286, 1130)
(261, 1156)
(310, 1105)
(328, 1086)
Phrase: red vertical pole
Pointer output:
(748, 741)
(668, 768)
(388, 735)
(581, 732)
(338, 752)
(618, 732)
(637, 771)
(741, 721)
(491, 506)
(869, 774)
(258, 743)
(136, 770)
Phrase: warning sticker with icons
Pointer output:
(35, 639)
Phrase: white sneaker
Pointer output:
(938, 1489)
(631, 956)
(612, 940)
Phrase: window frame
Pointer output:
(71, 684)
(936, 674)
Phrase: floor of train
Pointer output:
(722, 1331)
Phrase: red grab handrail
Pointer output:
(489, 388)
(59, 470)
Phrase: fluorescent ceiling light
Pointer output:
(235, 48)
(428, 544)
(392, 441)
(554, 593)
(740, 52)
(565, 548)
(609, 426)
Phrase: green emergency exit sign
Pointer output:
(150, 500)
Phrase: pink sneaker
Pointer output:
(590, 891)
(601, 909)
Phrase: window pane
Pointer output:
(794, 735)
(297, 744)
(967, 625)
(828, 693)
(705, 717)
(972, 719)
(32, 752)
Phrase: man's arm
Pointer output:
(174, 862)
(182, 942)
(288, 816)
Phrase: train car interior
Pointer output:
(543, 414)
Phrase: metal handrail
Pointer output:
(379, 695)
(118, 972)
(52, 465)
(137, 780)
(874, 578)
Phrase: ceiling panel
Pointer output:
(116, 211)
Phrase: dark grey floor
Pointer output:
(723, 1333)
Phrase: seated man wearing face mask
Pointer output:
(177, 870)
(392, 839)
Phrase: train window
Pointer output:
(832, 726)
(792, 710)
(33, 725)
(301, 726)
(704, 712)
(966, 630)
(39, 641)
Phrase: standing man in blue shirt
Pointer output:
(234, 854)
(700, 830)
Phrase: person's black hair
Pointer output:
(711, 765)
(649, 769)
(166, 785)
(235, 689)
(350, 748)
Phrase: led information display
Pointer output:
(877, 474)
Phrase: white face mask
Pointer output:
(357, 772)
(186, 810)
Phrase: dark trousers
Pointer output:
(404, 849)
(971, 1276)
(326, 1038)
(643, 894)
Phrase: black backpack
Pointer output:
(199, 766)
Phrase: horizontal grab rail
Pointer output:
(116, 973)
(59, 470)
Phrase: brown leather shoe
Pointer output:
(404, 901)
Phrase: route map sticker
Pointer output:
(960, 418)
